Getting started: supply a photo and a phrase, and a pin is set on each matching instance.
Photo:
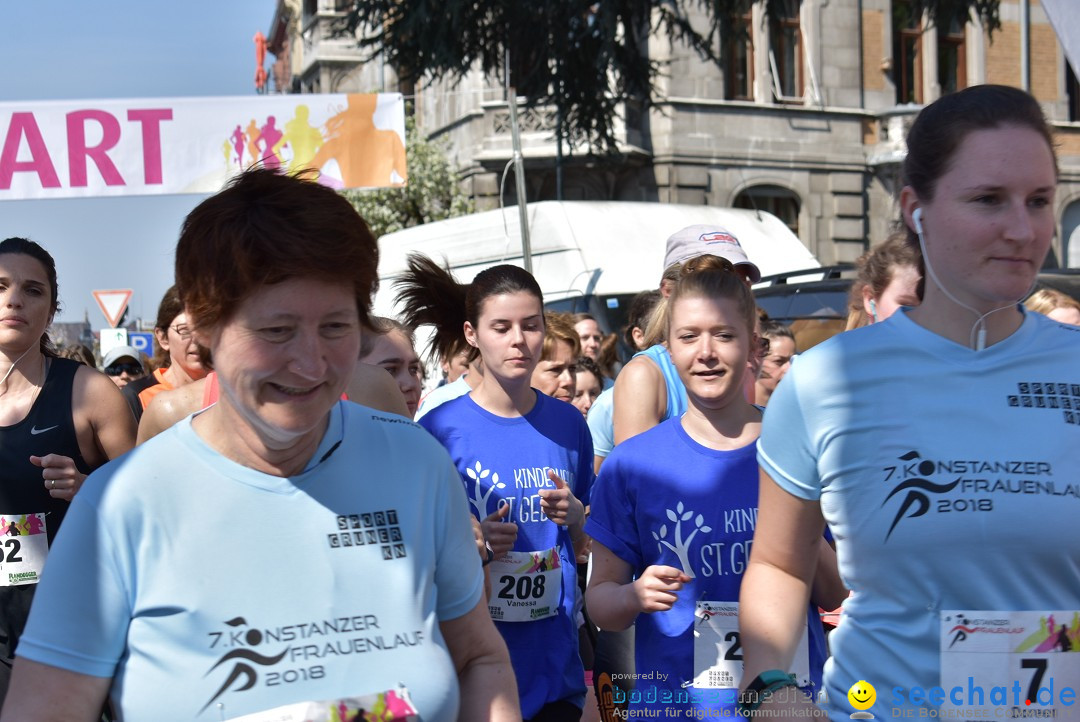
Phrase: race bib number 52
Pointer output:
(23, 548)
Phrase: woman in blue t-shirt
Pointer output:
(867, 431)
(674, 511)
(526, 462)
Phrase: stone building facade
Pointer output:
(805, 117)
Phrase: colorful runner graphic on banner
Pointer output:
(66, 149)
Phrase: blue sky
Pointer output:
(81, 49)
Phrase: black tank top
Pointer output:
(49, 428)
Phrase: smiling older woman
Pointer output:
(282, 552)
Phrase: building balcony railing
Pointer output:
(890, 130)
(323, 44)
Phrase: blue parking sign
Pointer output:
(142, 341)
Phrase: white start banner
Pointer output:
(67, 149)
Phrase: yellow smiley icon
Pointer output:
(862, 695)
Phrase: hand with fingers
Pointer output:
(560, 505)
(656, 590)
(500, 534)
(61, 477)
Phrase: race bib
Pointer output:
(525, 586)
(718, 659)
(24, 545)
(388, 706)
(1012, 665)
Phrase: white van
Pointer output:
(591, 256)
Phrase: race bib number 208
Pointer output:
(526, 586)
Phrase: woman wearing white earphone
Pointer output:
(887, 279)
(940, 446)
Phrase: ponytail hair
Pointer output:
(428, 294)
(431, 295)
(656, 327)
(641, 309)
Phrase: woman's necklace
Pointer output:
(34, 387)
(11, 369)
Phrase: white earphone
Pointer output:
(978, 331)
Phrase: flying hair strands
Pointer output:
(428, 294)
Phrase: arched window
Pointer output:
(779, 201)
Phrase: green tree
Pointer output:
(582, 56)
(432, 193)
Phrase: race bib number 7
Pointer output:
(24, 545)
(1011, 665)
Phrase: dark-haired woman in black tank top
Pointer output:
(58, 421)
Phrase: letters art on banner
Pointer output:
(67, 149)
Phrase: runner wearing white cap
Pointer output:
(648, 389)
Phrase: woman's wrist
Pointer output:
(761, 688)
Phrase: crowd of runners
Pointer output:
(270, 520)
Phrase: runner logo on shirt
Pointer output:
(243, 659)
(916, 501)
(296, 653)
(965, 485)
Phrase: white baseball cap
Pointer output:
(700, 240)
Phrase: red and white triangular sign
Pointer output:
(112, 303)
